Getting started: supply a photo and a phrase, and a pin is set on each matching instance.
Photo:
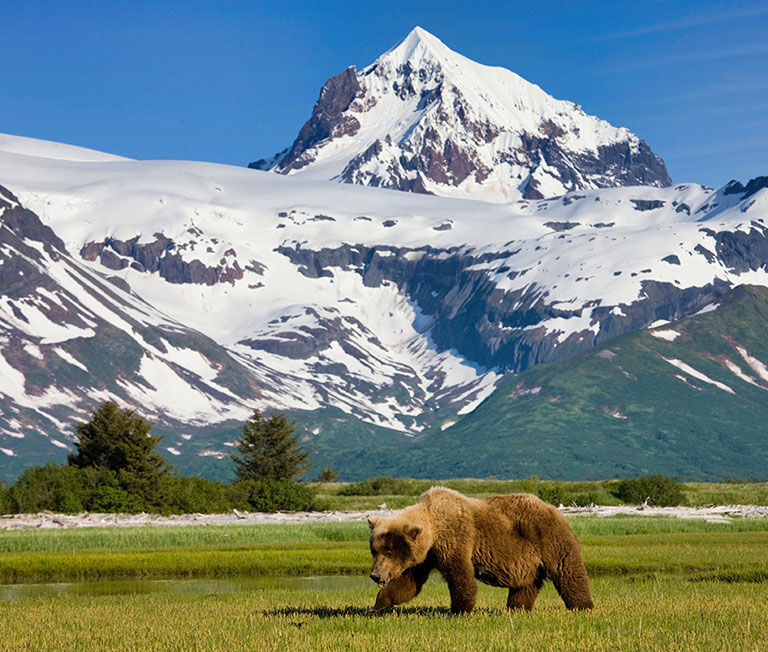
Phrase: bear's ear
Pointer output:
(413, 531)
(372, 522)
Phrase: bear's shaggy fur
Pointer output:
(515, 542)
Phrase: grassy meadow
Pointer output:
(397, 493)
(659, 583)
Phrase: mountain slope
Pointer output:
(71, 337)
(423, 118)
(231, 289)
(688, 399)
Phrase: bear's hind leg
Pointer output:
(571, 581)
(523, 597)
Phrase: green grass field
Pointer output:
(401, 492)
(664, 614)
(634, 545)
(658, 583)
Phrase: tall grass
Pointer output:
(156, 537)
(630, 545)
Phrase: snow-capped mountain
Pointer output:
(71, 337)
(196, 292)
(425, 119)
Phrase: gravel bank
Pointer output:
(47, 520)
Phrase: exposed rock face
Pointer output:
(425, 119)
(484, 323)
(743, 251)
(161, 256)
(330, 119)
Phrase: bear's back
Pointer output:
(530, 517)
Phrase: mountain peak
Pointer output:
(423, 118)
(418, 41)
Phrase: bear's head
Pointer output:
(397, 544)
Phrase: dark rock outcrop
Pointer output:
(328, 120)
(161, 256)
(490, 326)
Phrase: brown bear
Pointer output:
(515, 542)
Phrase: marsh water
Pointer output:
(176, 586)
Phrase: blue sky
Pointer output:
(233, 81)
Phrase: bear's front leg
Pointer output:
(404, 588)
(462, 585)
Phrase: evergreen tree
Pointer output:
(269, 449)
(119, 440)
(328, 475)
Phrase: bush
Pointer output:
(188, 495)
(70, 490)
(657, 489)
(553, 494)
(383, 486)
(51, 487)
(103, 492)
(272, 495)
(113, 500)
(5, 504)
(328, 475)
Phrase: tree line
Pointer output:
(115, 468)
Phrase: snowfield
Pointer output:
(334, 330)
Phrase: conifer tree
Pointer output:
(119, 440)
(269, 449)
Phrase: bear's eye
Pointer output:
(387, 553)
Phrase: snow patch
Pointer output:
(697, 374)
(737, 371)
(34, 351)
(68, 357)
(667, 335)
(708, 308)
(757, 366)
(219, 455)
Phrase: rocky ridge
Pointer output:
(425, 119)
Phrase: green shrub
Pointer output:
(188, 495)
(383, 486)
(5, 504)
(553, 494)
(272, 495)
(328, 475)
(104, 492)
(69, 490)
(586, 498)
(51, 487)
(113, 500)
(656, 489)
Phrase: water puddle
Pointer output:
(177, 586)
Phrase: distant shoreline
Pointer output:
(48, 520)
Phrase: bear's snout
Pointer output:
(379, 576)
